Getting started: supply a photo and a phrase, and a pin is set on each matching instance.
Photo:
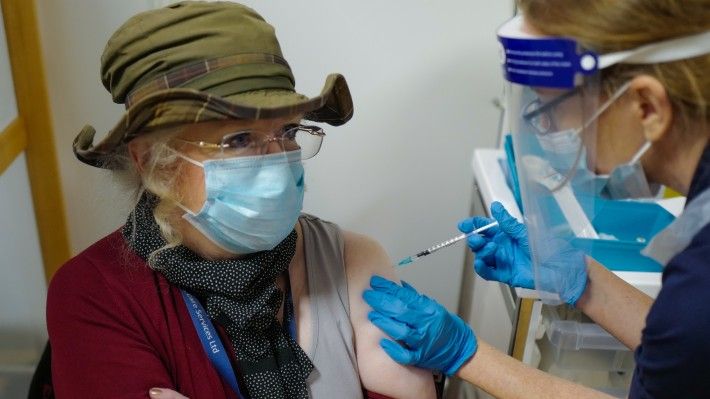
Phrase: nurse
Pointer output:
(607, 100)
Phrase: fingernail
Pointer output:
(155, 391)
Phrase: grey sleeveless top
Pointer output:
(332, 350)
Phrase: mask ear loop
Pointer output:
(184, 208)
(573, 169)
(188, 159)
(192, 161)
(644, 148)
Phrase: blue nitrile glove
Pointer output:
(427, 335)
(502, 252)
(562, 270)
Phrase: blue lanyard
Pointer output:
(212, 343)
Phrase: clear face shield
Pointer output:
(554, 101)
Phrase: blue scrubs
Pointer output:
(673, 360)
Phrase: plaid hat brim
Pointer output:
(177, 106)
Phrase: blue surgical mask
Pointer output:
(252, 202)
(628, 181)
(562, 149)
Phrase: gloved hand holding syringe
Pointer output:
(411, 259)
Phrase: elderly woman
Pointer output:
(217, 286)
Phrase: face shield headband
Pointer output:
(560, 62)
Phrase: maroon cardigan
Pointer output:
(118, 328)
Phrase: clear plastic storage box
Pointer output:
(583, 345)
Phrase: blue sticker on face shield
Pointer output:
(545, 62)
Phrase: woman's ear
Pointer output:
(652, 106)
(138, 151)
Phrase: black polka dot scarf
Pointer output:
(242, 296)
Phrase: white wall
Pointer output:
(422, 74)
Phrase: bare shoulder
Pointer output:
(365, 257)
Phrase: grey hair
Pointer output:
(159, 177)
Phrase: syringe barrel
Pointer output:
(447, 243)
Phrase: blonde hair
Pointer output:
(611, 25)
(159, 177)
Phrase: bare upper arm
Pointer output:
(378, 372)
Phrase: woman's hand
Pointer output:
(426, 334)
(503, 252)
(164, 393)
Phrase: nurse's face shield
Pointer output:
(553, 103)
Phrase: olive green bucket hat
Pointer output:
(199, 61)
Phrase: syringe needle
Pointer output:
(405, 261)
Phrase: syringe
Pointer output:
(411, 259)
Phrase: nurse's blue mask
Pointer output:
(253, 202)
(628, 181)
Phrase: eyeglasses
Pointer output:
(245, 143)
(540, 115)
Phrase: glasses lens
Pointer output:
(307, 139)
(538, 118)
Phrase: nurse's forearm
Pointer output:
(504, 377)
(614, 304)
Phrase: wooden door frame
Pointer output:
(32, 132)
